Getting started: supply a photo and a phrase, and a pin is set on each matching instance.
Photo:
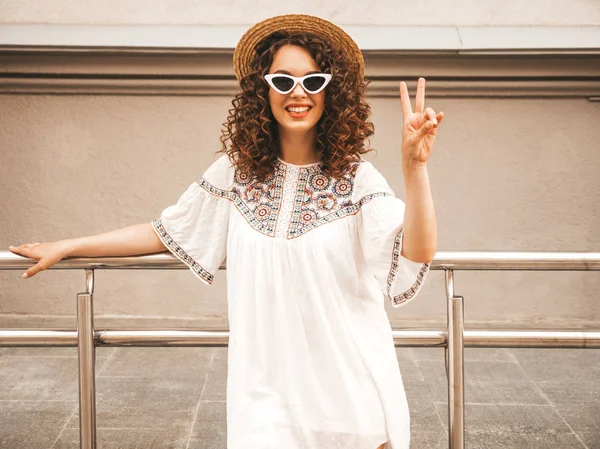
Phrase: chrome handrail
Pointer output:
(453, 339)
(444, 260)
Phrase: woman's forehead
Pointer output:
(293, 60)
(298, 73)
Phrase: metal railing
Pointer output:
(453, 339)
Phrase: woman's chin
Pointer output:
(297, 125)
(302, 127)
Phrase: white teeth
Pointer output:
(298, 109)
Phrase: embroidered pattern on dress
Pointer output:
(180, 253)
(292, 200)
(320, 199)
(412, 291)
(259, 203)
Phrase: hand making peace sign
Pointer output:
(419, 127)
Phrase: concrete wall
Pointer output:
(374, 12)
(506, 174)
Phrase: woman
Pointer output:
(314, 238)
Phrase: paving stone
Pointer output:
(216, 383)
(148, 397)
(567, 366)
(159, 362)
(408, 366)
(564, 393)
(430, 354)
(470, 354)
(485, 382)
(581, 417)
(590, 439)
(210, 427)
(145, 402)
(405, 354)
(32, 424)
(170, 438)
(428, 440)
(511, 440)
(501, 419)
(424, 417)
(36, 378)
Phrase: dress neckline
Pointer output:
(298, 166)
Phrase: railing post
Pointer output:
(455, 366)
(87, 371)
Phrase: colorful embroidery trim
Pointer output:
(307, 219)
(317, 199)
(180, 253)
(412, 291)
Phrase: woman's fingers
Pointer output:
(430, 114)
(46, 254)
(33, 270)
(26, 250)
(405, 99)
(420, 96)
(20, 248)
(16, 249)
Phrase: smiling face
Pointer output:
(295, 61)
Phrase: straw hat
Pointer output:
(245, 49)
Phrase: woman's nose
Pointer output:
(298, 90)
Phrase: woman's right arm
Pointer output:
(129, 241)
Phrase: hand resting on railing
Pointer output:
(129, 241)
(47, 253)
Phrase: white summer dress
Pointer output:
(310, 262)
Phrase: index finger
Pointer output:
(405, 99)
(420, 96)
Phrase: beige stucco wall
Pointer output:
(373, 12)
(506, 174)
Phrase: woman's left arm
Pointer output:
(419, 235)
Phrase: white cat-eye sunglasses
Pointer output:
(284, 84)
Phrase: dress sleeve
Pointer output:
(380, 226)
(195, 228)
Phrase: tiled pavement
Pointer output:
(174, 398)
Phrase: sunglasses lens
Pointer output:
(313, 83)
(282, 83)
